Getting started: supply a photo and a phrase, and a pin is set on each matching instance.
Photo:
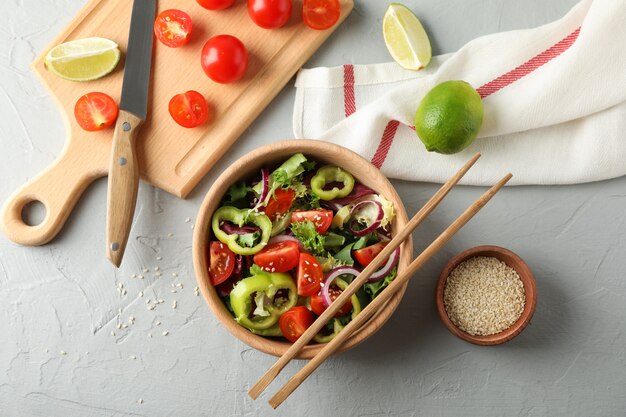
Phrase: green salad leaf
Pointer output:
(305, 232)
(248, 239)
(372, 289)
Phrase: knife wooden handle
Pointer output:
(123, 185)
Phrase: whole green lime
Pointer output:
(449, 117)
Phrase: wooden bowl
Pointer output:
(525, 274)
(271, 156)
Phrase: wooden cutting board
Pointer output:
(171, 157)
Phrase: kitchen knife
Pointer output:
(123, 168)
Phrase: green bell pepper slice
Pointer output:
(328, 174)
(273, 331)
(337, 326)
(263, 288)
(241, 217)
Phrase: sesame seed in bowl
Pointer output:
(486, 295)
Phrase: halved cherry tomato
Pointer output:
(269, 14)
(294, 322)
(278, 257)
(95, 111)
(321, 218)
(173, 28)
(215, 4)
(310, 275)
(224, 59)
(280, 203)
(318, 307)
(221, 261)
(366, 255)
(189, 109)
(321, 14)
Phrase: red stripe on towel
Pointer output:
(385, 143)
(349, 102)
(528, 66)
(485, 90)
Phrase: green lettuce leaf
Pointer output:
(305, 232)
(372, 289)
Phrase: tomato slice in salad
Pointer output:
(318, 307)
(294, 322)
(173, 28)
(280, 203)
(221, 262)
(321, 14)
(366, 255)
(189, 109)
(321, 218)
(95, 111)
(278, 257)
(310, 275)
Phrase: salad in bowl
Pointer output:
(286, 235)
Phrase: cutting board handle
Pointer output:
(58, 188)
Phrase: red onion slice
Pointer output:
(341, 270)
(283, 238)
(357, 192)
(265, 180)
(386, 269)
(233, 229)
(371, 212)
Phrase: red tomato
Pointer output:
(310, 275)
(321, 14)
(318, 307)
(222, 262)
(215, 4)
(173, 28)
(278, 257)
(95, 111)
(321, 218)
(280, 203)
(224, 59)
(294, 322)
(366, 255)
(269, 14)
(189, 109)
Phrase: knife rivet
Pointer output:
(126, 126)
(122, 161)
(115, 246)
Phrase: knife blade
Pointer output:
(123, 168)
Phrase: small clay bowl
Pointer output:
(525, 274)
(271, 156)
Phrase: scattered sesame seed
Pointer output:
(192, 226)
(119, 326)
(158, 274)
(140, 401)
(158, 258)
(140, 276)
(147, 301)
(174, 304)
(63, 352)
(158, 323)
(124, 292)
(141, 293)
(133, 357)
(133, 276)
(156, 268)
(180, 285)
(173, 291)
(146, 270)
(187, 220)
(273, 270)
(152, 307)
(174, 274)
(150, 335)
(196, 291)
(113, 334)
(307, 262)
(165, 333)
(160, 301)
(170, 235)
(124, 326)
(46, 350)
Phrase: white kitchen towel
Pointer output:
(554, 98)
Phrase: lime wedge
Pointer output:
(83, 59)
(406, 38)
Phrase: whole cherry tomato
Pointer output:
(269, 14)
(215, 4)
(224, 59)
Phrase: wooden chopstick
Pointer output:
(358, 282)
(385, 295)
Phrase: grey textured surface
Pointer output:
(63, 297)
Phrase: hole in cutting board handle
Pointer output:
(34, 213)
